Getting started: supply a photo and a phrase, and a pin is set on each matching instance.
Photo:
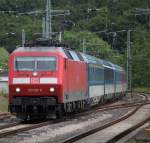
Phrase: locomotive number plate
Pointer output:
(35, 80)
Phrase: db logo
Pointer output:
(35, 80)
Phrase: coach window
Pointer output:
(80, 56)
(68, 54)
(109, 75)
(96, 75)
(74, 55)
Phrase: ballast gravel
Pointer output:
(55, 133)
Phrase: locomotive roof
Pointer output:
(40, 49)
(47, 45)
(86, 58)
(92, 59)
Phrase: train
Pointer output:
(46, 79)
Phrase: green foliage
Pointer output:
(3, 102)
(141, 60)
(3, 58)
(93, 45)
(142, 89)
(13, 24)
(112, 15)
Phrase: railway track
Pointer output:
(138, 105)
(128, 131)
(18, 127)
(9, 125)
(83, 135)
(5, 115)
(15, 128)
(117, 106)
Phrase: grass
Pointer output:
(3, 58)
(133, 141)
(142, 89)
(3, 102)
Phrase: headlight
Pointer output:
(35, 73)
(52, 89)
(18, 90)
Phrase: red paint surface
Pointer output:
(75, 76)
(71, 78)
(34, 88)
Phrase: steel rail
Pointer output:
(25, 127)
(29, 127)
(9, 125)
(111, 107)
(85, 134)
(128, 131)
(3, 114)
(5, 131)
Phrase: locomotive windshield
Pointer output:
(35, 63)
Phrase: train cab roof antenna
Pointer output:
(60, 36)
(23, 37)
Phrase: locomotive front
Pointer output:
(34, 85)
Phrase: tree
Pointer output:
(114, 15)
(3, 59)
(94, 45)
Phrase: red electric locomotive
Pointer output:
(49, 79)
(41, 79)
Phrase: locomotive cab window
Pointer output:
(35, 63)
(24, 63)
(46, 63)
